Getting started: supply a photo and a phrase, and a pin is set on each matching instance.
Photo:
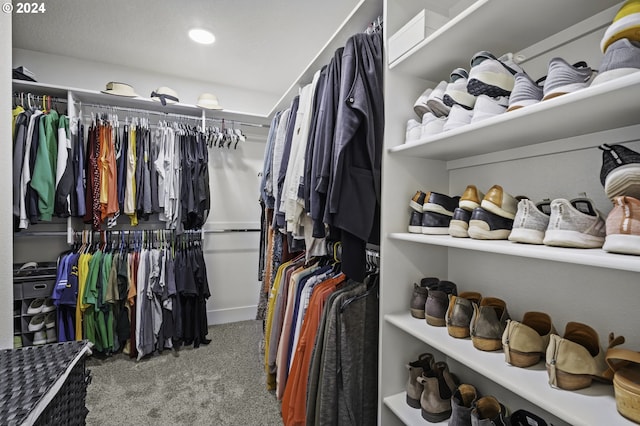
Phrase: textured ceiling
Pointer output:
(260, 44)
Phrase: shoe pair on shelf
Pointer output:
(484, 319)
(484, 216)
(562, 223)
(431, 212)
(430, 299)
(429, 387)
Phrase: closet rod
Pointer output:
(220, 231)
(158, 113)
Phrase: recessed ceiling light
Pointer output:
(201, 36)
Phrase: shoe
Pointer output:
(488, 411)
(416, 368)
(626, 24)
(36, 323)
(415, 223)
(563, 78)
(417, 201)
(488, 323)
(414, 130)
(485, 225)
(459, 224)
(499, 202)
(435, 401)
(420, 293)
(459, 313)
(531, 222)
(435, 223)
(525, 418)
(471, 198)
(432, 125)
(526, 341)
(576, 223)
(50, 320)
(437, 302)
(456, 91)
(458, 117)
(625, 365)
(39, 338)
(487, 107)
(621, 58)
(48, 305)
(574, 360)
(440, 203)
(435, 102)
(35, 307)
(52, 336)
(620, 171)
(17, 342)
(525, 92)
(420, 106)
(623, 227)
(492, 76)
(462, 402)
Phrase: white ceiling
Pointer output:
(260, 44)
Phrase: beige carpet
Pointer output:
(219, 384)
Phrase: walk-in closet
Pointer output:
(391, 212)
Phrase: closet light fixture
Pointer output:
(201, 36)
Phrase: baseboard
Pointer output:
(223, 316)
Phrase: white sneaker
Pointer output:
(492, 76)
(35, 307)
(39, 337)
(576, 223)
(48, 305)
(432, 125)
(435, 103)
(420, 107)
(487, 107)
(36, 322)
(456, 92)
(531, 222)
(458, 117)
(414, 131)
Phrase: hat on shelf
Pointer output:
(208, 101)
(165, 95)
(119, 89)
(21, 73)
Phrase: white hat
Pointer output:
(119, 89)
(208, 101)
(165, 95)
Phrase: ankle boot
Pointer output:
(420, 293)
(461, 405)
(435, 402)
(416, 369)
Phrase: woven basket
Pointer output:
(626, 381)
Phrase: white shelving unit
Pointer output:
(544, 150)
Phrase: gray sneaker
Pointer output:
(576, 223)
(525, 92)
(563, 78)
(531, 222)
(621, 58)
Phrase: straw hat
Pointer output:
(208, 101)
(165, 95)
(119, 89)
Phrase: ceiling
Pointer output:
(261, 45)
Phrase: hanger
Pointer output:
(372, 288)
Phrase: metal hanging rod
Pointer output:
(220, 231)
(222, 120)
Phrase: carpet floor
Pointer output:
(222, 383)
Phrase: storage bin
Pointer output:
(413, 32)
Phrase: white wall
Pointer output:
(6, 254)
(90, 75)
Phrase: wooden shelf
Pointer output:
(484, 22)
(594, 405)
(589, 257)
(617, 102)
